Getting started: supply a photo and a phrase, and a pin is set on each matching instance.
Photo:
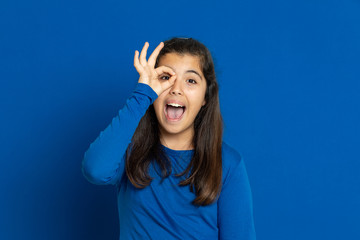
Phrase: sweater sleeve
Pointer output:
(104, 160)
(235, 210)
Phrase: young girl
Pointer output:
(175, 177)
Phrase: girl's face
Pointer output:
(177, 107)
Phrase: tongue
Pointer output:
(174, 112)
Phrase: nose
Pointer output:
(176, 89)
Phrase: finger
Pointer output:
(155, 53)
(172, 80)
(164, 69)
(136, 62)
(143, 54)
(169, 83)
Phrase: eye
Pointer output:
(192, 81)
(164, 77)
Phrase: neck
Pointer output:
(180, 141)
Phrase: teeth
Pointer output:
(175, 105)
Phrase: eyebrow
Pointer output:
(193, 71)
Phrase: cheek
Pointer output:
(158, 104)
(197, 101)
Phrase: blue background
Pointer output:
(289, 75)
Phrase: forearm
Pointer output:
(103, 162)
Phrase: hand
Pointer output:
(151, 76)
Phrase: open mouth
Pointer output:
(174, 112)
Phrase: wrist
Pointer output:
(147, 90)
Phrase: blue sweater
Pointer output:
(164, 210)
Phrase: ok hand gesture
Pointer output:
(148, 74)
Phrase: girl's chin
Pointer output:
(174, 129)
(171, 129)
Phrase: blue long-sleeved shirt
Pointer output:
(164, 210)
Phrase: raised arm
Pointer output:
(104, 161)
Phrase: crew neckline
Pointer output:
(176, 152)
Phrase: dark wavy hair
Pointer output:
(205, 177)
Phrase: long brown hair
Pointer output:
(205, 177)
